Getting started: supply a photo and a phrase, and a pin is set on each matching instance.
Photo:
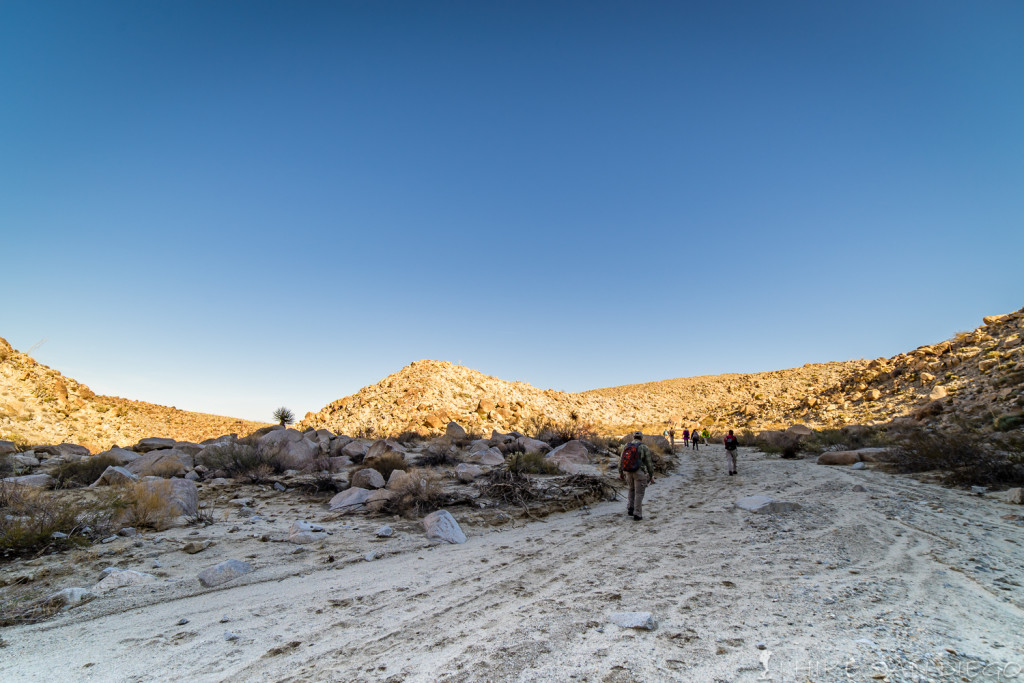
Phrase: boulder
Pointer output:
(298, 455)
(223, 572)
(569, 452)
(765, 505)
(874, 454)
(119, 578)
(656, 441)
(181, 494)
(368, 478)
(442, 526)
(43, 481)
(385, 532)
(152, 443)
(161, 463)
(115, 475)
(454, 431)
(339, 463)
(872, 394)
(529, 445)
(8, 447)
(491, 456)
(65, 449)
(397, 480)
(466, 472)
(800, 430)
(23, 460)
(937, 393)
(479, 445)
(349, 500)
(302, 532)
(356, 449)
(122, 456)
(337, 444)
(1014, 496)
(859, 466)
(383, 448)
(838, 458)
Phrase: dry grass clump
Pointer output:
(29, 517)
(84, 472)
(531, 463)
(564, 493)
(21, 604)
(256, 462)
(150, 505)
(436, 458)
(418, 493)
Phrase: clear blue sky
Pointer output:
(230, 206)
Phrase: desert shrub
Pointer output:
(257, 462)
(149, 505)
(84, 472)
(418, 493)
(963, 457)
(746, 438)
(20, 604)
(409, 436)
(387, 463)
(29, 517)
(531, 463)
(571, 430)
(1004, 423)
(436, 458)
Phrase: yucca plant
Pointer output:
(284, 416)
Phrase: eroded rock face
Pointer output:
(166, 462)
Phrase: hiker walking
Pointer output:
(637, 470)
(672, 437)
(686, 438)
(704, 435)
(731, 443)
(694, 439)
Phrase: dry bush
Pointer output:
(964, 458)
(241, 459)
(436, 458)
(149, 505)
(531, 463)
(418, 493)
(84, 472)
(386, 464)
(29, 517)
(20, 604)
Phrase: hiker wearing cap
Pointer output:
(731, 442)
(636, 469)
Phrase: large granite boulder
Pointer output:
(182, 495)
(454, 431)
(115, 475)
(161, 463)
(382, 449)
(570, 453)
(121, 456)
(368, 478)
(528, 445)
(229, 570)
(43, 481)
(839, 458)
(489, 456)
(153, 443)
(349, 500)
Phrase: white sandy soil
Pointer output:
(904, 582)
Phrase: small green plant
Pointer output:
(284, 416)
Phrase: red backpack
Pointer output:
(630, 461)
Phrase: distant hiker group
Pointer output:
(636, 465)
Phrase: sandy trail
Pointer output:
(906, 580)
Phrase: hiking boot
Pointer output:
(629, 512)
(637, 518)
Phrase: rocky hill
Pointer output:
(39, 405)
(975, 376)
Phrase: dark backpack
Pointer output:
(730, 443)
(630, 461)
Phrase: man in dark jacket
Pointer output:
(637, 481)
(731, 442)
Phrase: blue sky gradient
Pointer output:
(230, 206)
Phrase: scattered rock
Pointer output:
(43, 481)
(223, 572)
(385, 532)
(441, 525)
(69, 597)
(302, 532)
(349, 500)
(638, 620)
(115, 475)
(368, 478)
(454, 431)
(1014, 496)
(193, 547)
(859, 466)
(152, 443)
(119, 578)
(465, 472)
(859, 489)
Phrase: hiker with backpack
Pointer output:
(694, 438)
(731, 443)
(636, 469)
(686, 438)
(704, 435)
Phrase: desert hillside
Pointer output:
(975, 376)
(39, 405)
